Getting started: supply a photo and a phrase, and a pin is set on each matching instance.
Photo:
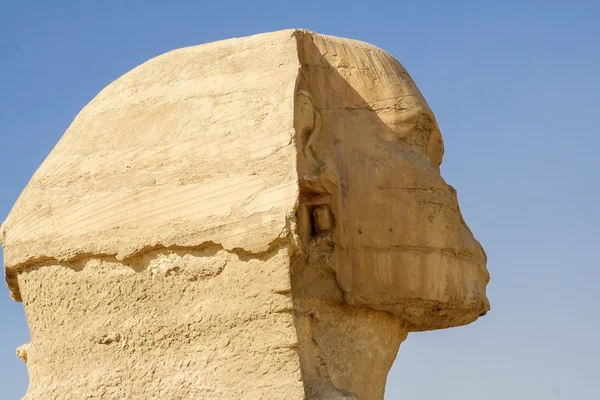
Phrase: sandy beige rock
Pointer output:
(256, 218)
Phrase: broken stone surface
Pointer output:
(261, 217)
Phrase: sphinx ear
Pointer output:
(314, 174)
(307, 122)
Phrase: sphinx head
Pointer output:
(278, 195)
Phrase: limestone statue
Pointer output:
(255, 218)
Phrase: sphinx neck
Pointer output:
(345, 352)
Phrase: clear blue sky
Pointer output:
(515, 87)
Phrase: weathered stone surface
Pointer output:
(256, 218)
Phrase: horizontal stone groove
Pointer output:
(76, 261)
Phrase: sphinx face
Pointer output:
(373, 154)
(402, 245)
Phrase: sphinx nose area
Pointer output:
(472, 244)
(485, 259)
